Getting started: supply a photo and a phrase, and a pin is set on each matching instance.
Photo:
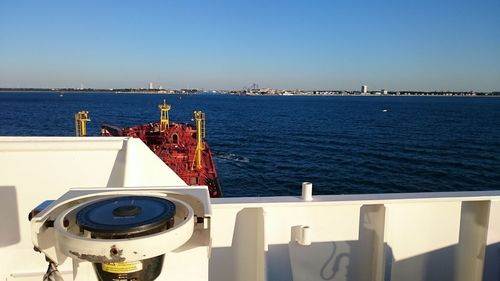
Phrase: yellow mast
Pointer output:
(199, 118)
(81, 119)
(164, 122)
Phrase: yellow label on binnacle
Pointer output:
(122, 267)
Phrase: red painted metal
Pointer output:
(176, 146)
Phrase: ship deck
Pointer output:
(422, 236)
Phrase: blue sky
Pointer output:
(419, 45)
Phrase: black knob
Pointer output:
(127, 211)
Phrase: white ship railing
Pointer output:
(424, 236)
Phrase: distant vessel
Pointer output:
(181, 146)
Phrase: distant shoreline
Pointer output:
(243, 93)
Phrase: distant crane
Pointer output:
(253, 86)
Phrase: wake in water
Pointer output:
(230, 157)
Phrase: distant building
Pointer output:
(384, 92)
(364, 89)
(151, 85)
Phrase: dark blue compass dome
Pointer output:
(126, 216)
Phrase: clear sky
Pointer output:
(332, 44)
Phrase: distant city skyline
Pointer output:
(394, 45)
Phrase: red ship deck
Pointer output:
(176, 146)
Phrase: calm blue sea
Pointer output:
(267, 146)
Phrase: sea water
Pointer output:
(268, 145)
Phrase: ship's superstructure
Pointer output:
(181, 146)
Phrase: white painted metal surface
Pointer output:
(433, 236)
(187, 242)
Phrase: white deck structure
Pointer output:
(432, 236)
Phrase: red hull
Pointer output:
(176, 146)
